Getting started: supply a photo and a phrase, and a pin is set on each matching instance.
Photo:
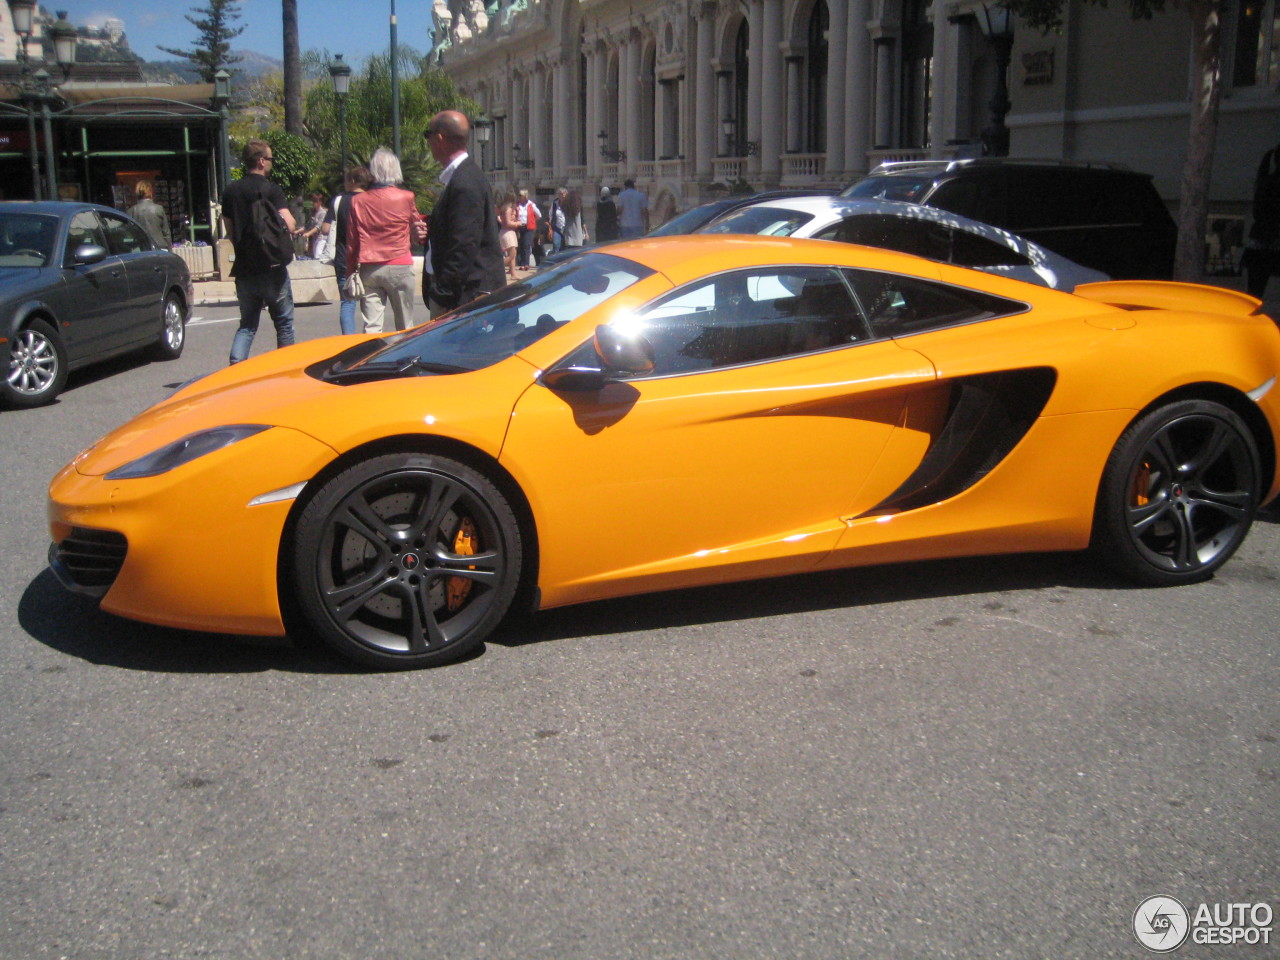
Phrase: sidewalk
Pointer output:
(215, 293)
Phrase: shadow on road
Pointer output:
(74, 625)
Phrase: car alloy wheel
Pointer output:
(173, 330)
(1179, 493)
(406, 560)
(37, 366)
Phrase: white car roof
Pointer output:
(828, 210)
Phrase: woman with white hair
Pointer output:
(379, 228)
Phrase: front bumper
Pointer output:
(188, 548)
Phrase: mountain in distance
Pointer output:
(251, 64)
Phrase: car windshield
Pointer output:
(910, 189)
(686, 222)
(26, 239)
(500, 324)
(761, 221)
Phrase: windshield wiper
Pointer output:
(420, 366)
(388, 369)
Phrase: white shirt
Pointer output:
(445, 176)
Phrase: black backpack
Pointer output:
(267, 236)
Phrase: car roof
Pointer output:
(687, 257)
(56, 208)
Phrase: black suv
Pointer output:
(1100, 215)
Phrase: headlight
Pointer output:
(185, 450)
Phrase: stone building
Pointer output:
(693, 97)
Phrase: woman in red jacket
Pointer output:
(379, 229)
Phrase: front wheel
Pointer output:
(406, 560)
(37, 366)
(173, 330)
(1178, 494)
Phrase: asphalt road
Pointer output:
(980, 759)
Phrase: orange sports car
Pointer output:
(677, 412)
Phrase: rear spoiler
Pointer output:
(1167, 295)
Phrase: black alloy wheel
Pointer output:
(406, 560)
(1178, 494)
(37, 368)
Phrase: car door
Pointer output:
(762, 425)
(145, 270)
(93, 294)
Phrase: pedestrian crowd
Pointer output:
(472, 242)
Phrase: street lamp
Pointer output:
(38, 91)
(749, 148)
(340, 74)
(483, 127)
(996, 23)
(613, 156)
(526, 163)
(395, 86)
(221, 102)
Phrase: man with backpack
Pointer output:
(256, 216)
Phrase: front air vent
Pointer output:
(89, 560)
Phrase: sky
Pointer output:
(338, 26)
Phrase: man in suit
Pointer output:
(464, 259)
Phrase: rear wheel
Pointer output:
(37, 366)
(1178, 495)
(173, 330)
(406, 560)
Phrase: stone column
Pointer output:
(771, 91)
(757, 53)
(561, 116)
(595, 85)
(837, 76)
(706, 120)
(629, 81)
(857, 78)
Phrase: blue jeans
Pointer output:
(273, 291)
(346, 305)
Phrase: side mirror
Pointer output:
(621, 352)
(88, 253)
(575, 379)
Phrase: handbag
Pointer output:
(354, 287)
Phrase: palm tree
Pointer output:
(292, 69)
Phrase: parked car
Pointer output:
(80, 283)
(671, 413)
(1100, 215)
(695, 217)
(909, 228)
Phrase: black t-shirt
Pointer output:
(237, 204)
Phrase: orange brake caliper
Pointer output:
(1142, 485)
(457, 589)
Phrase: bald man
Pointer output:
(464, 259)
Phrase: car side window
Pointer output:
(750, 316)
(124, 236)
(970, 250)
(898, 306)
(84, 228)
(924, 238)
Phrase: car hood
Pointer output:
(274, 389)
(14, 281)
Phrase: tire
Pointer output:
(406, 560)
(1178, 494)
(37, 369)
(173, 330)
